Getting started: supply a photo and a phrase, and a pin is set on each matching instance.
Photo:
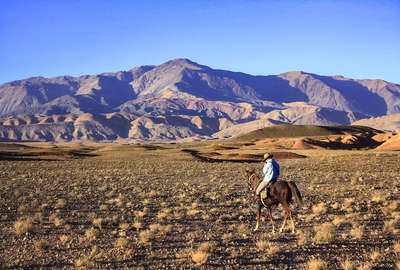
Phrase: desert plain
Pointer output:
(162, 206)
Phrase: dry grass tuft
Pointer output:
(347, 264)
(122, 243)
(92, 234)
(325, 233)
(227, 237)
(396, 247)
(24, 225)
(262, 245)
(200, 257)
(317, 264)
(207, 246)
(339, 220)
(366, 266)
(124, 226)
(319, 209)
(375, 255)
(302, 238)
(390, 226)
(98, 222)
(146, 236)
(89, 260)
(61, 203)
(41, 245)
(64, 239)
(137, 225)
(357, 232)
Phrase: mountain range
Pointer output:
(181, 99)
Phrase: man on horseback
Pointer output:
(271, 173)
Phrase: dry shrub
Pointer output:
(389, 226)
(140, 214)
(375, 255)
(122, 243)
(357, 232)
(24, 225)
(319, 209)
(98, 222)
(243, 230)
(146, 236)
(347, 264)
(302, 238)
(164, 230)
(317, 264)
(394, 205)
(124, 226)
(339, 220)
(58, 222)
(184, 254)
(396, 247)
(24, 208)
(64, 239)
(348, 203)
(366, 266)
(227, 237)
(92, 234)
(192, 212)
(155, 227)
(262, 245)
(61, 203)
(39, 217)
(325, 233)
(200, 257)
(137, 225)
(378, 197)
(207, 246)
(89, 260)
(273, 249)
(41, 245)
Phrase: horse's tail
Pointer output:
(296, 192)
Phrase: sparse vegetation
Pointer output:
(134, 207)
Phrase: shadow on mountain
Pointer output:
(363, 100)
(234, 86)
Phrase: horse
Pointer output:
(281, 192)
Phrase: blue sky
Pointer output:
(356, 39)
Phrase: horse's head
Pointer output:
(250, 177)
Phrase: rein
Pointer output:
(251, 187)
(249, 181)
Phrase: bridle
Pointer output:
(249, 181)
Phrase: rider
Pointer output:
(271, 173)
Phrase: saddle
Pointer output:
(265, 193)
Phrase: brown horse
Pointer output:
(280, 193)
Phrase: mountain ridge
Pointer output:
(181, 87)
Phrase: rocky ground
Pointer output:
(158, 207)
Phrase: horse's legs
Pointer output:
(270, 218)
(284, 220)
(288, 213)
(258, 217)
(291, 218)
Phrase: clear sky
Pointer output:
(356, 39)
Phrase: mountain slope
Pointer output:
(182, 89)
